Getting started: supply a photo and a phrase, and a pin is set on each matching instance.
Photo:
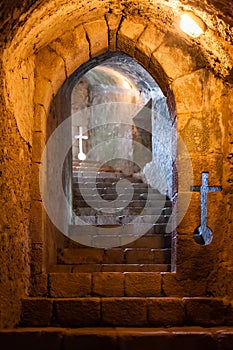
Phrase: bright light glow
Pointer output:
(192, 25)
(126, 84)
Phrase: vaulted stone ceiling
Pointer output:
(29, 25)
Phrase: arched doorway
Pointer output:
(120, 188)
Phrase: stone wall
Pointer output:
(198, 74)
(15, 178)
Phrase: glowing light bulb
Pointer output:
(192, 25)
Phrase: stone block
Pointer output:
(97, 33)
(50, 66)
(142, 284)
(31, 339)
(124, 311)
(36, 262)
(36, 312)
(81, 256)
(193, 340)
(38, 285)
(40, 119)
(188, 91)
(193, 260)
(73, 47)
(177, 58)
(36, 227)
(205, 311)
(78, 312)
(108, 284)
(113, 22)
(225, 339)
(63, 285)
(150, 40)
(157, 71)
(128, 34)
(114, 256)
(35, 187)
(138, 339)
(175, 284)
(90, 339)
(147, 256)
(38, 144)
(43, 92)
(20, 85)
(166, 312)
(188, 213)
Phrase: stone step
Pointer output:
(108, 180)
(134, 255)
(99, 174)
(89, 188)
(122, 203)
(93, 182)
(125, 311)
(120, 268)
(88, 211)
(110, 268)
(122, 233)
(132, 239)
(90, 194)
(93, 165)
(113, 219)
(118, 338)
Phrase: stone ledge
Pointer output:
(191, 338)
(126, 311)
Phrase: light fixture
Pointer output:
(192, 24)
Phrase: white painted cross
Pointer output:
(81, 137)
(203, 232)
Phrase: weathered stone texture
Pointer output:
(36, 312)
(69, 285)
(176, 57)
(142, 284)
(128, 34)
(14, 218)
(73, 48)
(19, 94)
(97, 33)
(150, 40)
(191, 102)
(79, 312)
(124, 311)
(165, 312)
(204, 107)
(113, 22)
(108, 284)
(50, 66)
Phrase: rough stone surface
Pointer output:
(73, 48)
(36, 312)
(69, 285)
(142, 284)
(78, 312)
(97, 33)
(166, 312)
(124, 311)
(35, 64)
(108, 284)
(118, 338)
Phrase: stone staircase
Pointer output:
(115, 299)
(115, 234)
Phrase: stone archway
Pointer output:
(49, 78)
(157, 59)
(58, 112)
